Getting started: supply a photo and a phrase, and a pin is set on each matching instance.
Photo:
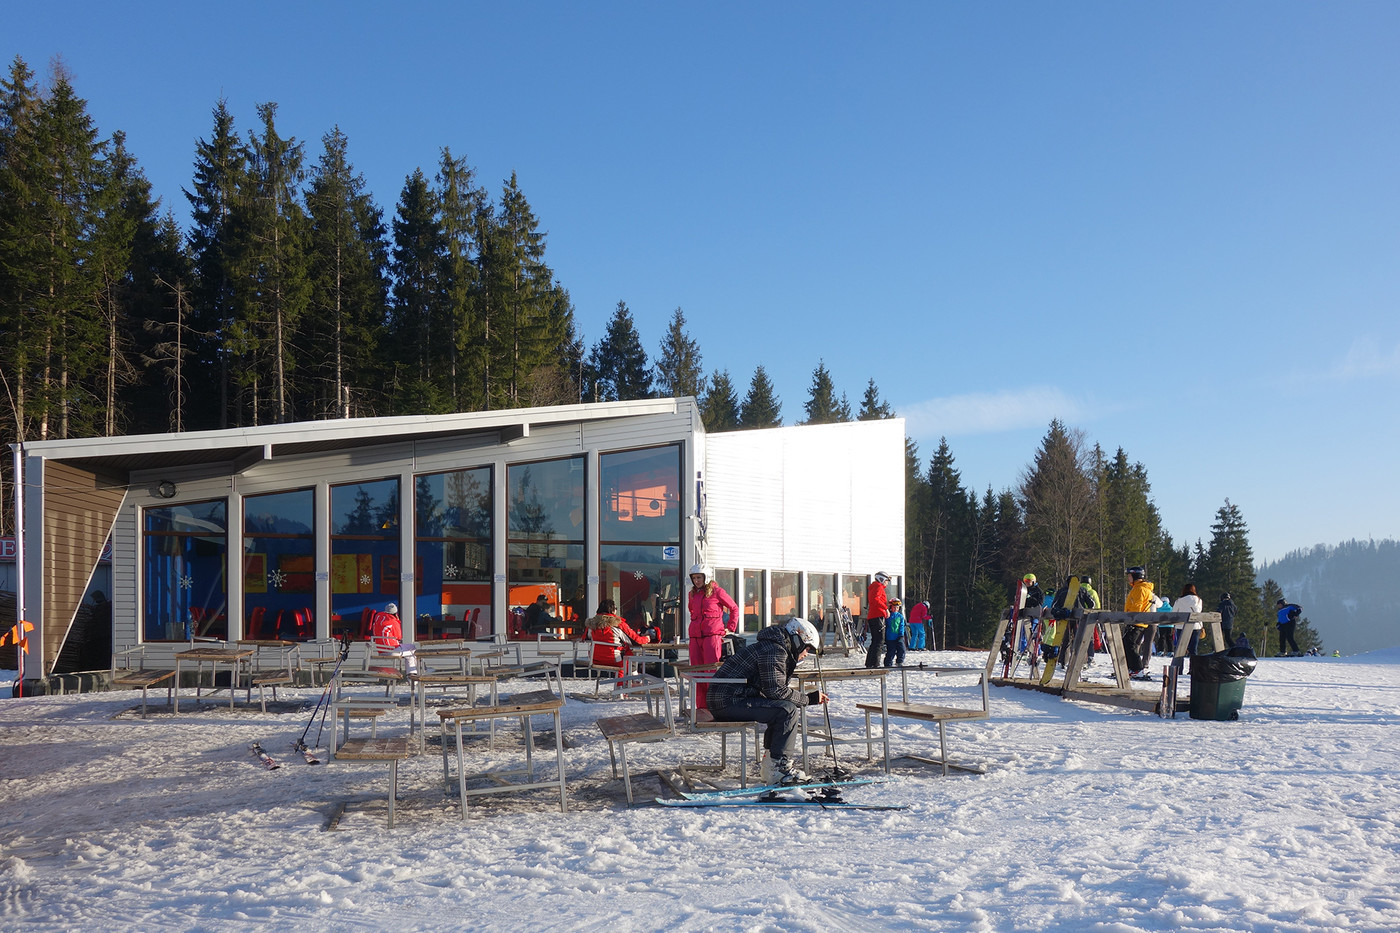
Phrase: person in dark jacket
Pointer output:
(1226, 608)
(1288, 614)
(766, 667)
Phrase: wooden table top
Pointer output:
(535, 701)
(214, 654)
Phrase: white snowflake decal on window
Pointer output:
(364, 579)
(187, 582)
(451, 570)
(277, 578)
(638, 575)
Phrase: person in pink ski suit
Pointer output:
(708, 603)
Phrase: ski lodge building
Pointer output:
(299, 531)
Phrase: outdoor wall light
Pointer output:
(166, 489)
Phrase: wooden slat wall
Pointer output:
(78, 515)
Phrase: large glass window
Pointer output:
(728, 579)
(853, 594)
(544, 547)
(639, 552)
(184, 589)
(784, 599)
(364, 553)
(752, 603)
(279, 565)
(453, 554)
(821, 594)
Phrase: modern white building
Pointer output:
(297, 531)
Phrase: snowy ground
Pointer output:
(1089, 818)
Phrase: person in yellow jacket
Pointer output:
(1137, 643)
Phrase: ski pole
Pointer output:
(837, 771)
(325, 694)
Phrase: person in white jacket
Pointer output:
(1188, 601)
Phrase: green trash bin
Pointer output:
(1217, 683)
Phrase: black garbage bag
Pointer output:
(1223, 667)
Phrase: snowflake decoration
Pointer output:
(452, 570)
(638, 575)
(187, 582)
(277, 578)
(364, 579)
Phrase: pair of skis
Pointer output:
(273, 764)
(824, 794)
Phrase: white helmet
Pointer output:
(803, 633)
(882, 577)
(392, 609)
(700, 569)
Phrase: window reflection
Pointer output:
(454, 554)
(364, 553)
(183, 581)
(279, 565)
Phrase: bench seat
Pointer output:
(145, 680)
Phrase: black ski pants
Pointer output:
(1285, 638)
(875, 629)
(781, 717)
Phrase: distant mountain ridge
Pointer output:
(1348, 592)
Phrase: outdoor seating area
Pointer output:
(493, 707)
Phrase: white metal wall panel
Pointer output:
(124, 541)
(820, 497)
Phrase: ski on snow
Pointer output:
(762, 789)
(826, 794)
(780, 802)
(268, 762)
(306, 753)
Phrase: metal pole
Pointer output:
(18, 455)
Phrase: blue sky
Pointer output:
(1174, 226)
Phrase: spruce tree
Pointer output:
(1057, 499)
(620, 362)
(822, 406)
(719, 408)
(217, 240)
(20, 234)
(872, 408)
(761, 408)
(1229, 568)
(275, 287)
(534, 320)
(462, 203)
(415, 312)
(348, 259)
(678, 365)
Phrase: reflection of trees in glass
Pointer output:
(429, 509)
(469, 504)
(387, 516)
(361, 519)
(528, 514)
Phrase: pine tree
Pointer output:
(22, 349)
(348, 260)
(620, 362)
(533, 319)
(1057, 498)
(462, 206)
(275, 288)
(163, 273)
(1229, 568)
(761, 408)
(678, 365)
(941, 533)
(719, 408)
(872, 408)
(415, 313)
(216, 243)
(822, 406)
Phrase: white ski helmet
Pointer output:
(392, 609)
(803, 634)
(700, 569)
(882, 577)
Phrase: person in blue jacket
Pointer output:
(1288, 614)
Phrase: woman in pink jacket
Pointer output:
(708, 603)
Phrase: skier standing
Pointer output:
(876, 611)
(1288, 614)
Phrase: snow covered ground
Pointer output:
(1089, 818)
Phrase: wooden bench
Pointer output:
(618, 731)
(145, 680)
(373, 749)
(929, 712)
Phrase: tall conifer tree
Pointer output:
(620, 361)
(719, 408)
(761, 408)
(679, 370)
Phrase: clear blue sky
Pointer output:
(1175, 226)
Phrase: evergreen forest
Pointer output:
(293, 295)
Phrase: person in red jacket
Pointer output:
(612, 637)
(918, 628)
(386, 637)
(877, 610)
(708, 603)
